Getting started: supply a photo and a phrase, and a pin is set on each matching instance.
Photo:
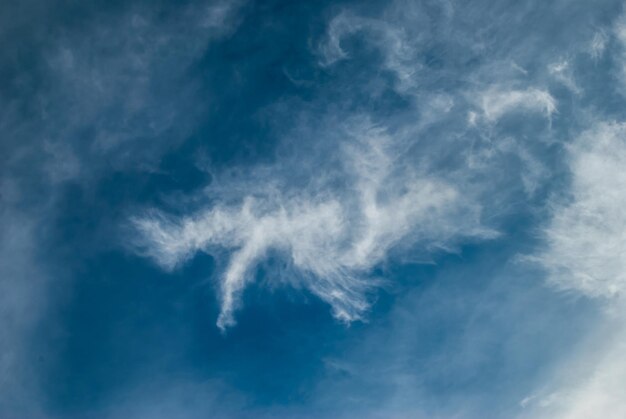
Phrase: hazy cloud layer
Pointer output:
(451, 173)
(77, 101)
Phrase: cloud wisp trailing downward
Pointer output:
(354, 213)
(330, 236)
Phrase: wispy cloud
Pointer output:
(399, 55)
(332, 236)
(497, 102)
(133, 92)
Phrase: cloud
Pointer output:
(561, 70)
(346, 195)
(123, 83)
(496, 102)
(369, 202)
(588, 381)
(331, 236)
(586, 238)
(399, 54)
(88, 95)
(585, 255)
(598, 45)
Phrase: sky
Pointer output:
(312, 209)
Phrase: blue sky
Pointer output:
(246, 209)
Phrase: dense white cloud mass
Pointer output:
(586, 254)
(587, 235)
(332, 237)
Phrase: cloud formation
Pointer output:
(330, 236)
(444, 132)
(585, 255)
(496, 102)
(587, 235)
(399, 55)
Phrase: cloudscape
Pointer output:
(313, 209)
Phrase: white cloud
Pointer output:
(562, 71)
(331, 236)
(587, 235)
(496, 102)
(589, 383)
(598, 45)
(398, 53)
(586, 254)
(534, 172)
